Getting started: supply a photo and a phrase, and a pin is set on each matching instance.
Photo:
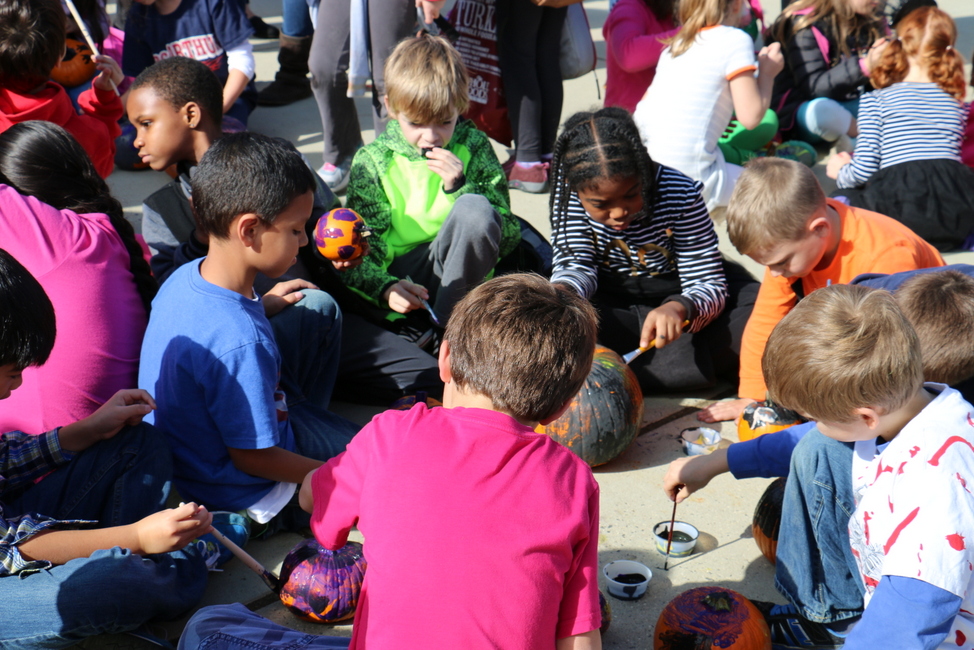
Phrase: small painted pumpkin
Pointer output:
(340, 235)
(322, 586)
(606, 611)
(406, 402)
(711, 617)
(760, 418)
(604, 417)
(767, 519)
(76, 67)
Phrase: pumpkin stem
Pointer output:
(718, 601)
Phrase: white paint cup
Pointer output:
(628, 589)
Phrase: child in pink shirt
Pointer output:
(521, 512)
(634, 34)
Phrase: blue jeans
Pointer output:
(297, 18)
(117, 482)
(234, 627)
(815, 568)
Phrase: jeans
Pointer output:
(117, 482)
(234, 627)
(815, 568)
(825, 120)
(297, 19)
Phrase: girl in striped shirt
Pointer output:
(907, 160)
(635, 238)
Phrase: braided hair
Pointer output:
(594, 146)
(42, 160)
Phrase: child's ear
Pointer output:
(820, 224)
(247, 229)
(192, 113)
(446, 373)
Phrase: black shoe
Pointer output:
(417, 328)
(262, 29)
(791, 631)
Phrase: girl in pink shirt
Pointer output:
(58, 219)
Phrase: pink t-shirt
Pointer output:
(634, 41)
(479, 533)
(82, 264)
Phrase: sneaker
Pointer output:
(232, 525)
(790, 630)
(798, 151)
(508, 166)
(533, 179)
(336, 176)
(262, 29)
(420, 331)
(209, 550)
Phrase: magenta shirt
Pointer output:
(633, 37)
(83, 266)
(479, 533)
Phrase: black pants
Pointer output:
(694, 360)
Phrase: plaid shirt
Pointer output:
(23, 459)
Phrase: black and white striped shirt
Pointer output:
(679, 235)
(903, 122)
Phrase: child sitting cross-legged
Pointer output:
(779, 217)
(430, 189)
(85, 545)
(912, 466)
(247, 415)
(522, 511)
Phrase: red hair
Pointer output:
(927, 34)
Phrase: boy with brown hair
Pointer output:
(32, 37)
(430, 189)
(913, 461)
(522, 510)
(779, 217)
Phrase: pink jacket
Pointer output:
(633, 36)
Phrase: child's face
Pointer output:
(427, 136)
(613, 202)
(794, 259)
(279, 242)
(163, 133)
(864, 7)
(11, 377)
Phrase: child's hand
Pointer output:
(685, 476)
(431, 9)
(836, 163)
(111, 75)
(344, 265)
(724, 410)
(171, 530)
(664, 325)
(404, 296)
(446, 164)
(284, 294)
(124, 408)
(770, 60)
(875, 54)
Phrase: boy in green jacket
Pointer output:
(430, 189)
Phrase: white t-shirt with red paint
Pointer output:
(915, 506)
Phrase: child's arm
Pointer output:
(588, 641)
(231, 29)
(102, 103)
(751, 96)
(574, 244)
(240, 61)
(162, 532)
(634, 45)
(854, 171)
(273, 463)
(124, 408)
(911, 612)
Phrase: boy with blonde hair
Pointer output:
(779, 217)
(848, 358)
(430, 189)
(522, 511)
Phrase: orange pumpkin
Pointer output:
(606, 611)
(76, 67)
(406, 402)
(604, 417)
(711, 617)
(760, 418)
(767, 519)
(340, 235)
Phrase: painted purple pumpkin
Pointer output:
(322, 586)
(708, 618)
(340, 235)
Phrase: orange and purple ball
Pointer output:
(340, 235)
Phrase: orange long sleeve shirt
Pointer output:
(869, 243)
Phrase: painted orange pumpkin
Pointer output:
(408, 401)
(604, 417)
(340, 235)
(767, 519)
(711, 617)
(76, 67)
(322, 586)
(760, 418)
(606, 611)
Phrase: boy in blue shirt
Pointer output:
(247, 419)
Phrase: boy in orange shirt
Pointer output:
(779, 217)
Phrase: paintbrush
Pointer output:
(629, 356)
(269, 578)
(670, 540)
(88, 38)
(426, 306)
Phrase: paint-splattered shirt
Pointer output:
(915, 506)
(23, 459)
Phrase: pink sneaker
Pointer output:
(533, 178)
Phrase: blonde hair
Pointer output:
(772, 203)
(927, 34)
(426, 80)
(694, 16)
(843, 22)
(842, 348)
